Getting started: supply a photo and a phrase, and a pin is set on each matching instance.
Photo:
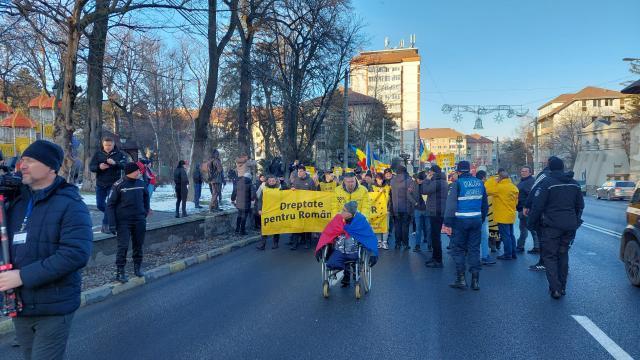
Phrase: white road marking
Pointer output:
(612, 348)
(602, 230)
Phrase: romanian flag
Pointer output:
(369, 157)
(378, 165)
(362, 158)
(425, 155)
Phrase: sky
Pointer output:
(506, 52)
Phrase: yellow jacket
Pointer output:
(505, 199)
(328, 186)
(361, 195)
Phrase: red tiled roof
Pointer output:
(386, 56)
(44, 102)
(438, 133)
(588, 93)
(560, 99)
(4, 108)
(18, 120)
(477, 138)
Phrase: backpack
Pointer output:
(205, 172)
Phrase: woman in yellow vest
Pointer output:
(379, 186)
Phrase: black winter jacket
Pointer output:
(401, 201)
(128, 201)
(436, 190)
(197, 175)
(557, 203)
(180, 178)
(112, 174)
(58, 245)
(524, 187)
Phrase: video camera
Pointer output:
(9, 182)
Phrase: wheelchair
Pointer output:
(359, 268)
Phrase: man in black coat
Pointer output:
(107, 163)
(436, 189)
(197, 186)
(49, 228)
(556, 214)
(524, 188)
(128, 208)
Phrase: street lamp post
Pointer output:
(346, 119)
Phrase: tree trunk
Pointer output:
(244, 137)
(215, 50)
(63, 124)
(93, 127)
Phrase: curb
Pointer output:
(109, 290)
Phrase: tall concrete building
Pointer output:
(393, 77)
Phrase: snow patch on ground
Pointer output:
(164, 199)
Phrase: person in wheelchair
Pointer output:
(346, 232)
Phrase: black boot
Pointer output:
(121, 277)
(475, 281)
(177, 214)
(460, 282)
(137, 270)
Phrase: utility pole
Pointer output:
(346, 119)
(536, 150)
(497, 153)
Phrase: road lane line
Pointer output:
(602, 230)
(606, 342)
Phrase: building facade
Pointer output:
(393, 77)
(479, 150)
(587, 129)
(445, 141)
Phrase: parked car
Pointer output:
(630, 241)
(616, 190)
(583, 186)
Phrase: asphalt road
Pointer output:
(268, 305)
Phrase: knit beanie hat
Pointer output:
(352, 207)
(45, 152)
(463, 166)
(555, 163)
(130, 167)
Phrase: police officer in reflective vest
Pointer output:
(466, 210)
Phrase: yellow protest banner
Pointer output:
(295, 211)
(298, 211)
(378, 217)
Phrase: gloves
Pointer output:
(373, 260)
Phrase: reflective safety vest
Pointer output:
(470, 192)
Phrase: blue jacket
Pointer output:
(58, 245)
(467, 199)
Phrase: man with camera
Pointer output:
(51, 238)
(108, 164)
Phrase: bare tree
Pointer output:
(73, 18)
(310, 43)
(565, 139)
(215, 51)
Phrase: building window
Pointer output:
(608, 102)
(596, 103)
(622, 104)
(584, 105)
